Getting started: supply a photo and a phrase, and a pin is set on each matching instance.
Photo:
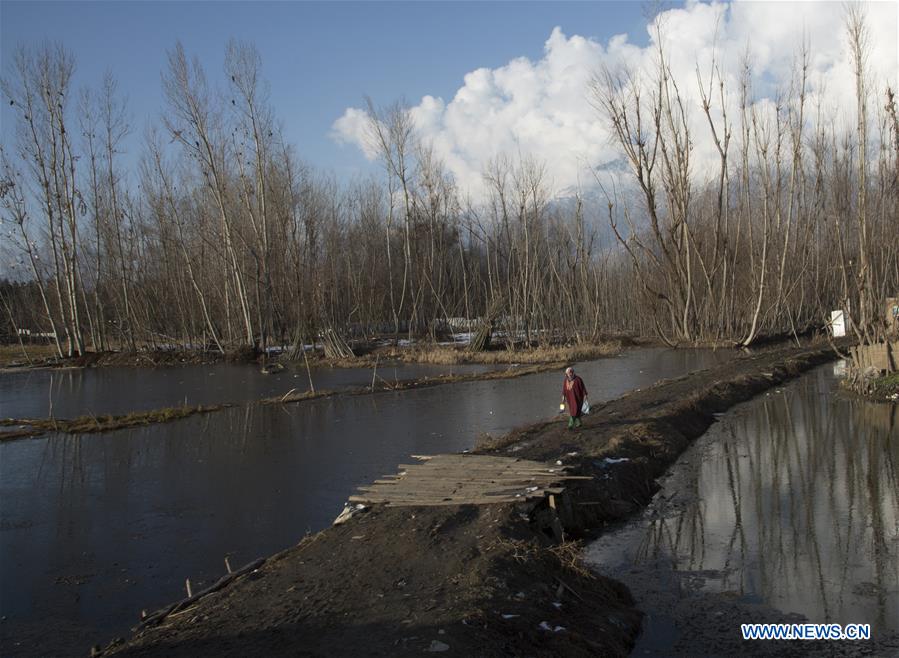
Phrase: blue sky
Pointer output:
(319, 57)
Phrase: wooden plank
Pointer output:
(465, 479)
(449, 496)
(507, 474)
(440, 475)
(477, 459)
(458, 500)
(461, 483)
(443, 486)
(493, 472)
(448, 493)
(431, 483)
(411, 491)
(424, 482)
(524, 468)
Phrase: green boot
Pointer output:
(577, 422)
(571, 422)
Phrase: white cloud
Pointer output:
(352, 128)
(541, 108)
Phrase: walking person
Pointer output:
(573, 395)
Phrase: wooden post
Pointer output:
(187, 585)
(308, 371)
(228, 565)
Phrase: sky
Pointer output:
(483, 78)
(319, 57)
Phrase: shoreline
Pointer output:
(369, 355)
(371, 352)
(489, 579)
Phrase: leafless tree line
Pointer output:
(222, 237)
(801, 217)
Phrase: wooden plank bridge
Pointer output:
(464, 479)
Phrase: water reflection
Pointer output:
(792, 500)
(95, 528)
(67, 393)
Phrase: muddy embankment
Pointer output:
(473, 580)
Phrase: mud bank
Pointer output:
(485, 580)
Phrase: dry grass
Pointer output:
(104, 423)
(14, 355)
(446, 355)
(568, 554)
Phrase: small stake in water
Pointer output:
(228, 565)
(308, 371)
(187, 585)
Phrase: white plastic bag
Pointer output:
(585, 408)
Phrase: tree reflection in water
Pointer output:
(792, 500)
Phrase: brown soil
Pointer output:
(26, 427)
(473, 580)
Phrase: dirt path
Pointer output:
(474, 580)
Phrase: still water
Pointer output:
(790, 501)
(73, 392)
(95, 528)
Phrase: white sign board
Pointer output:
(837, 324)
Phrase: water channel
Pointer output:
(72, 392)
(789, 504)
(95, 528)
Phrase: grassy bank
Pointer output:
(91, 424)
(886, 388)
